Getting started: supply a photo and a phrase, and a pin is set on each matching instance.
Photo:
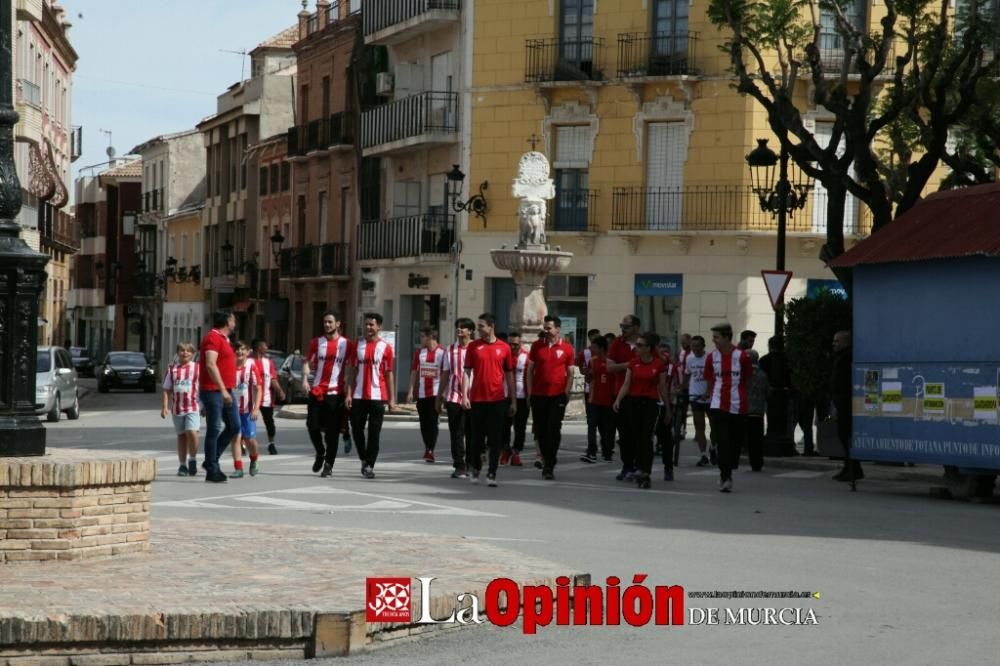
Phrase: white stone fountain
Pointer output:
(531, 260)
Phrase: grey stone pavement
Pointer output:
(903, 577)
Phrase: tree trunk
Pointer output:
(834, 247)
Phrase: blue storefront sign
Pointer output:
(813, 287)
(659, 284)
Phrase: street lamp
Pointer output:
(22, 279)
(277, 240)
(778, 199)
(476, 204)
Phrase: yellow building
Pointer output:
(633, 104)
(185, 308)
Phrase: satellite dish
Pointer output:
(111, 152)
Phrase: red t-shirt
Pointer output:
(620, 352)
(603, 383)
(225, 362)
(488, 362)
(551, 367)
(646, 378)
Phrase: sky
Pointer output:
(148, 68)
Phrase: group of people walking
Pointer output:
(636, 392)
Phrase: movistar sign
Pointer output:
(659, 284)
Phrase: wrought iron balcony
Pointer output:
(832, 49)
(656, 54)
(321, 134)
(564, 60)
(423, 119)
(428, 236)
(315, 261)
(573, 210)
(721, 208)
(389, 20)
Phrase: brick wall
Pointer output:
(71, 505)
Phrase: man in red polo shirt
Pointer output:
(217, 368)
(623, 350)
(549, 382)
(490, 361)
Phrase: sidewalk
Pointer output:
(183, 601)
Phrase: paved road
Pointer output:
(903, 578)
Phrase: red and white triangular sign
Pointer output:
(776, 282)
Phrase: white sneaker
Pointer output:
(491, 481)
(474, 477)
(726, 486)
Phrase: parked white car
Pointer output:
(55, 385)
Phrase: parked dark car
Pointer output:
(126, 370)
(290, 378)
(82, 362)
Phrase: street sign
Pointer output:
(776, 282)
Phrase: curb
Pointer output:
(873, 470)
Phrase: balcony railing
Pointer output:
(426, 113)
(406, 237)
(831, 52)
(721, 208)
(656, 54)
(564, 60)
(321, 134)
(313, 261)
(572, 210)
(382, 14)
(30, 93)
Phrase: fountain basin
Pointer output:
(531, 261)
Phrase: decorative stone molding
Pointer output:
(631, 243)
(570, 113)
(682, 243)
(742, 245)
(663, 108)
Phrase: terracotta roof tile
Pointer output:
(283, 40)
(130, 169)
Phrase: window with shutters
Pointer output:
(666, 147)
(406, 198)
(576, 32)
(572, 163)
(670, 32)
(824, 134)
(831, 43)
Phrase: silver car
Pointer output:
(55, 385)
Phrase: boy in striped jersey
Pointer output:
(371, 388)
(180, 398)
(248, 396)
(425, 378)
(727, 371)
(269, 387)
(450, 397)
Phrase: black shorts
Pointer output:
(701, 407)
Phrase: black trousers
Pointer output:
(644, 413)
(460, 433)
(728, 431)
(626, 435)
(487, 420)
(370, 413)
(755, 440)
(427, 411)
(665, 436)
(591, 426)
(323, 421)
(549, 411)
(604, 420)
(267, 413)
(519, 423)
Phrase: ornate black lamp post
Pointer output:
(477, 202)
(778, 198)
(22, 276)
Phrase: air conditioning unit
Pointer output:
(383, 83)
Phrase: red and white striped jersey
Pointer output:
(182, 382)
(374, 363)
(427, 364)
(246, 378)
(266, 372)
(328, 359)
(729, 375)
(454, 365)
(520, 372)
